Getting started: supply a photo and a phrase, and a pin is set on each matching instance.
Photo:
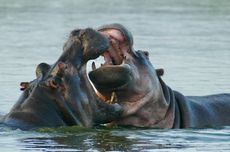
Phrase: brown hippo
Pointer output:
(62, 95)
(130, 78)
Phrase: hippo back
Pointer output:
(203, 111)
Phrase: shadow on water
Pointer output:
(100, 139)
(116, 139)
(76, 138)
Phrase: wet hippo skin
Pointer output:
(129, 91)
(62, 95)
(128, 78)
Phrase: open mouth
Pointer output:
(117, 52)
(114, 73)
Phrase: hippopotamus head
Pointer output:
(62, 94)
(128, 78)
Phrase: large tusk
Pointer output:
(113, 98)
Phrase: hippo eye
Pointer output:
(42, 69)
(146, 53)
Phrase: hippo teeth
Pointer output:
(114, 55)
(115, 58)
(113, 98)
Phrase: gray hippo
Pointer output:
(62, 95)
(128, 78)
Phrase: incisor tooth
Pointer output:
(123, 61)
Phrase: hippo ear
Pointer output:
(75, 32)
(42, 69)
(160, 72)
(94, 44)
(144, 53)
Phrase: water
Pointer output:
(189, 39)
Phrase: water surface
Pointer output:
(189, 39)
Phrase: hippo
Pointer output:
(128, 78)
(61, 94)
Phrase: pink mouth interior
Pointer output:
(118, 47)
(116, 53)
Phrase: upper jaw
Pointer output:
(82, 46)
(118, 50)
(118, 27)
(115, 73)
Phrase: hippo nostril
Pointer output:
(75, 32)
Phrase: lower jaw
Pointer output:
(111, 77)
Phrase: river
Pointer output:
(190, 39)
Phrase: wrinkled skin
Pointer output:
(128, 78)
(62, 95)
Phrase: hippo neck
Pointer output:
(169, 118)
(156, 110)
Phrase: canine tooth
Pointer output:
(113, 98)
(123, 61)
(93, 66)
